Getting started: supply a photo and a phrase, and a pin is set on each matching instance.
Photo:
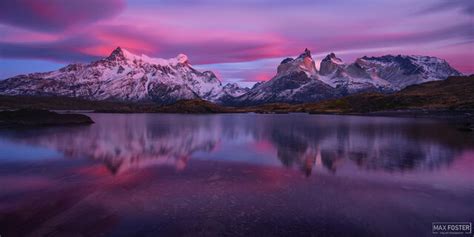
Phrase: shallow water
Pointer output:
(236, 174)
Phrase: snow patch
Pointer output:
(180, 59)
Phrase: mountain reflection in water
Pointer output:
(235, 174)
(133, 141)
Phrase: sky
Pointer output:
(242, 41)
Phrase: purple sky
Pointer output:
(241, 40)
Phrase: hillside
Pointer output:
(455, 93)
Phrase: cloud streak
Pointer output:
(235, 33)
(465, 6)
(56, 15)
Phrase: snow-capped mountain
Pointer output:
(229, 93)
(234, 90)
(298, 80)
(122, 76)
(386, 73)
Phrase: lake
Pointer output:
(236, 174)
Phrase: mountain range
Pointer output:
(122, 76)
(127, 77)
(298, 81)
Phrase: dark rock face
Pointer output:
(166, 94)
(116, 55)
(28, 117)
(317, 91)
(304, 62)
(295, 87)
(296, 81)
(257, 84)
(286, 60)
(290, 82)
(306, 53)
(330, 64)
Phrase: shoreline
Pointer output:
(416, 113)
(406, 113)
(24, 118)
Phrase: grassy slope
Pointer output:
(455, 93)
(65, 103)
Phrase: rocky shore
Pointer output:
(35, 117)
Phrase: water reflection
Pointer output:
(124, 142)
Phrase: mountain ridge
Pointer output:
(297, 81)
(121, 76)
(450, 97)
(124, 76)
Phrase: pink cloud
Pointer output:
(263, 75)
(217, 32)
(56, 15)
(202, 46)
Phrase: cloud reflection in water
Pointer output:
(124, 142)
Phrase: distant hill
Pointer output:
(67, 103)
(455, 93)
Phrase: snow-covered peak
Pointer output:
(412, 64)
(297, 81)
(400, 71)
(124, 76)
(232, 86)
(181, 58)
(125, 55)
(234, 90)
(402, 60)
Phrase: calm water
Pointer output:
(239, 174)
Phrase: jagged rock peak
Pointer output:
(303, 62)
(330, 64)
(257, 84)
(330, 56)
(286, 60)
(234, 90)
(306, 53)
(333, 58)
(232, 85)
(116, 54)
